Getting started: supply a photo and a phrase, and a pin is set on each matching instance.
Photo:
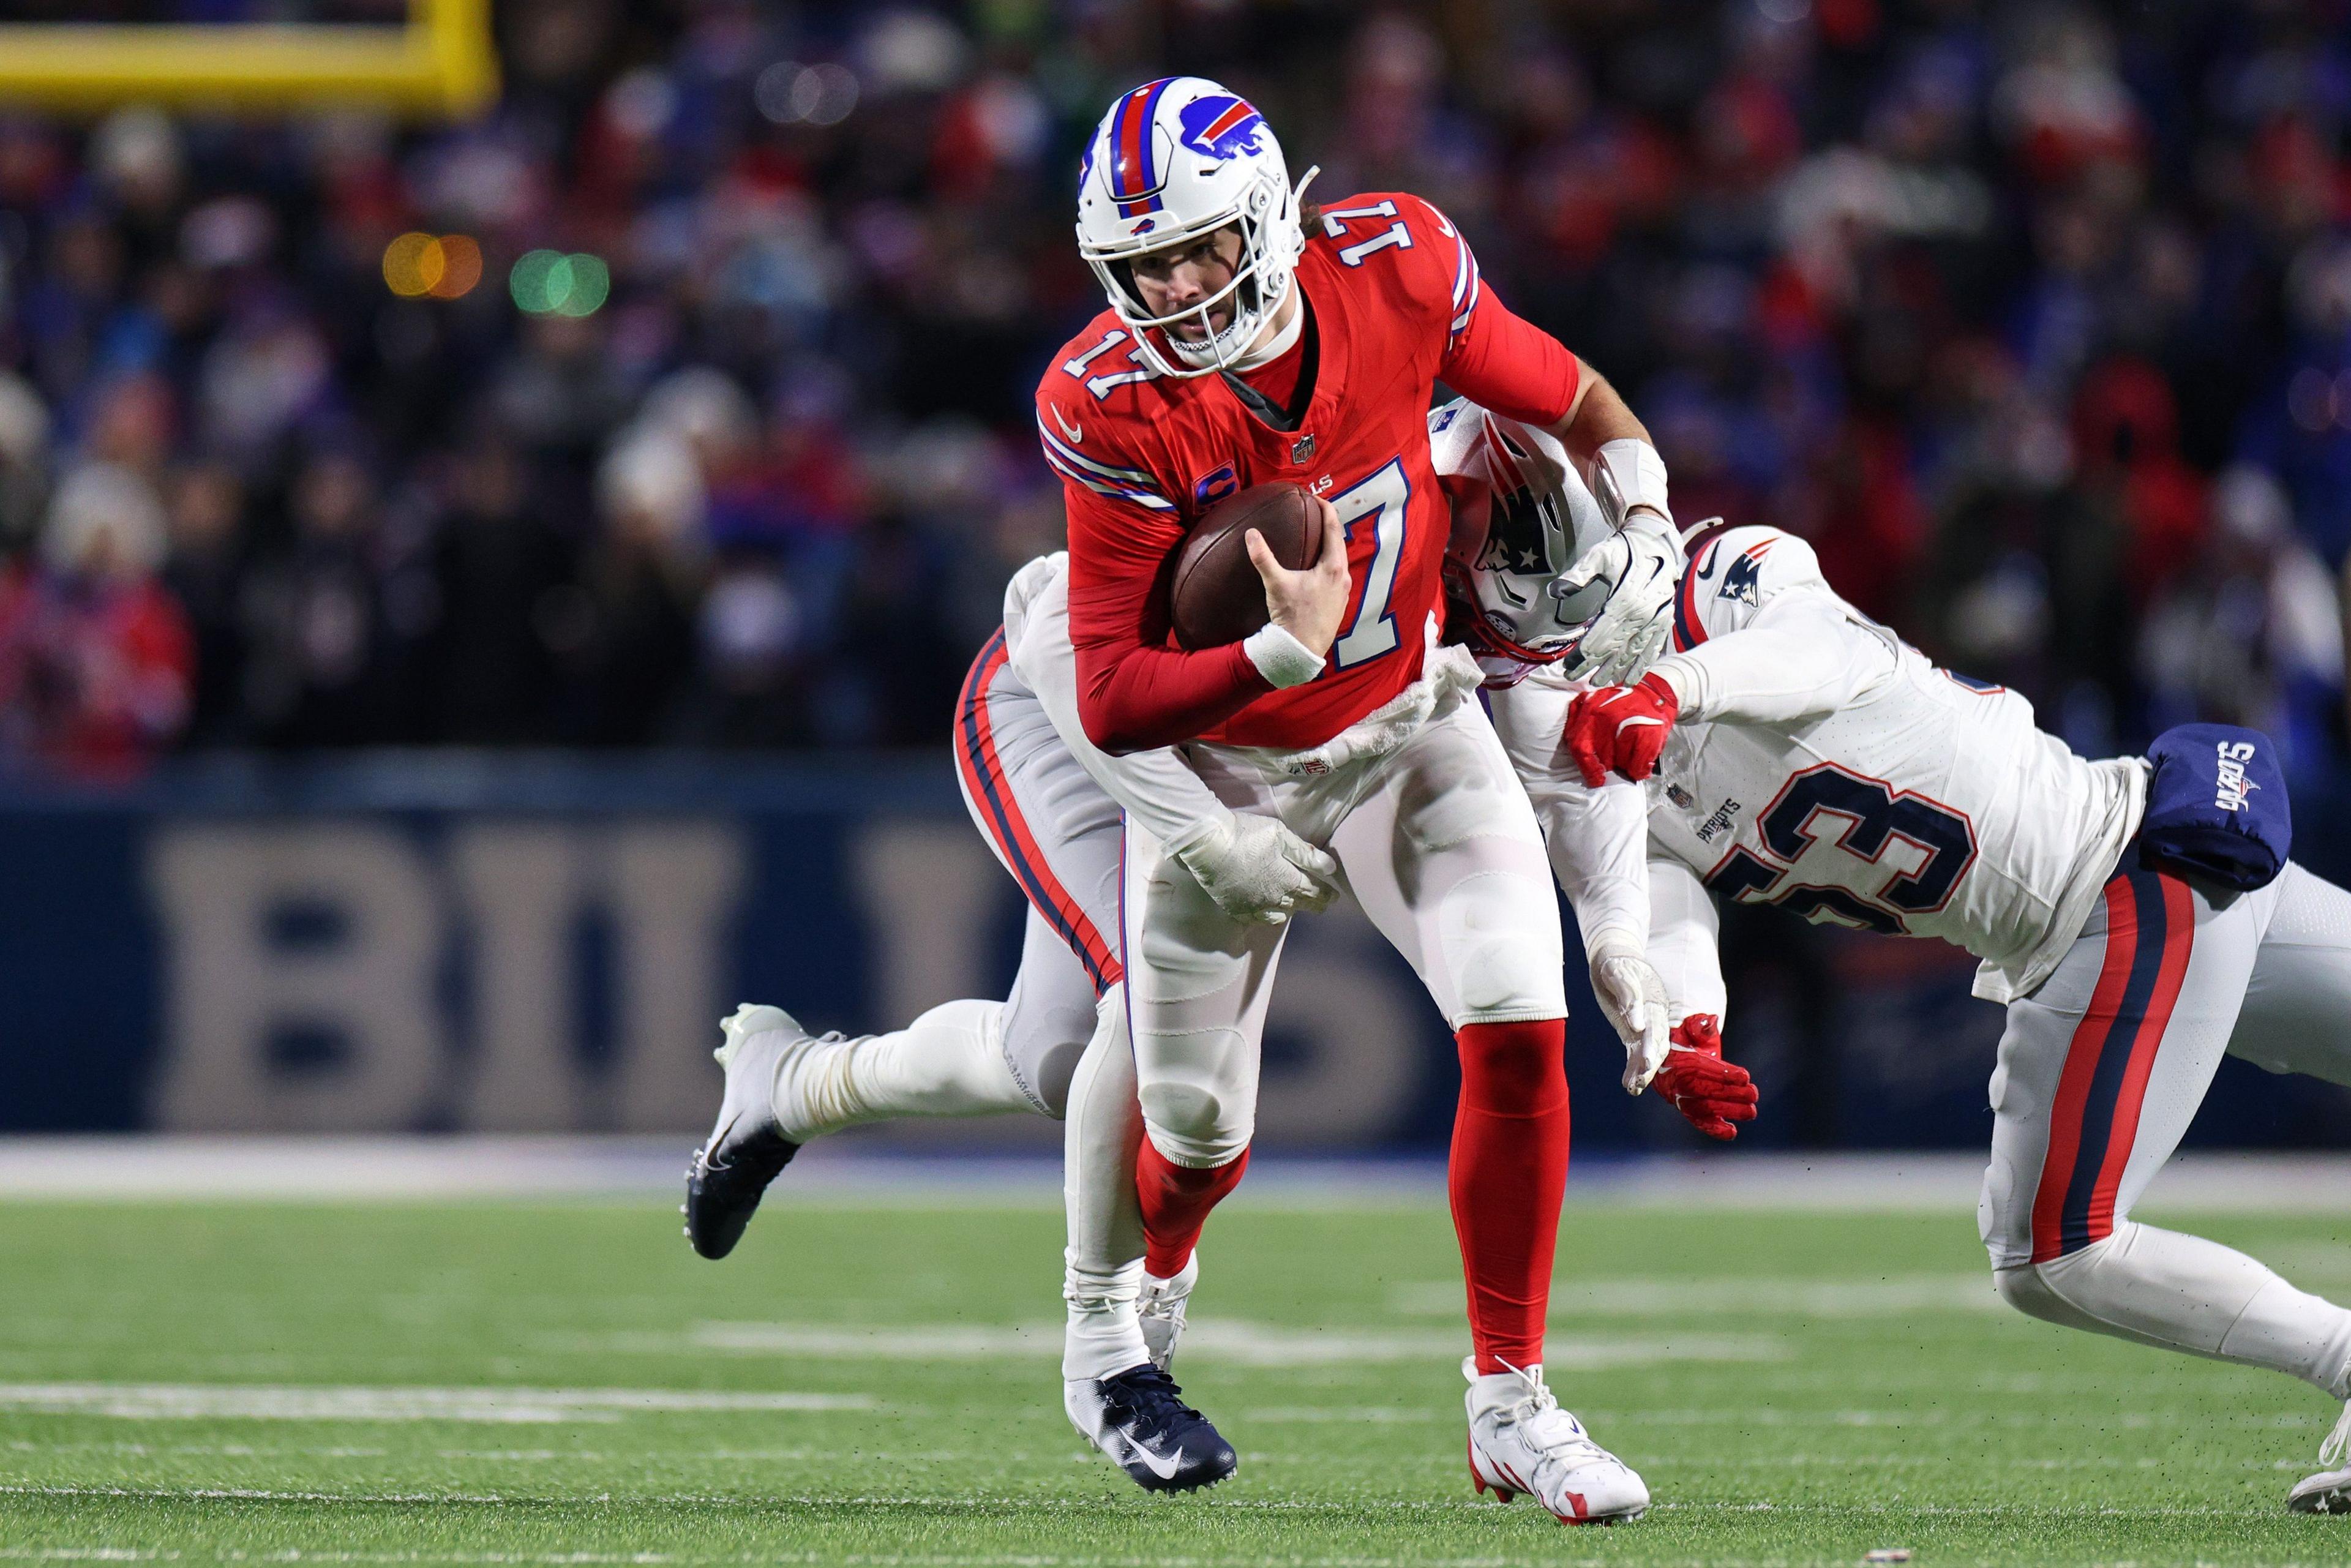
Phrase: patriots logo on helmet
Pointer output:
(1514, 538)
(1220, 126)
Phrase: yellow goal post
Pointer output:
(440, 64)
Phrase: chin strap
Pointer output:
(1204, 356)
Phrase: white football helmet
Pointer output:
(1541, 520)
(1173, 159)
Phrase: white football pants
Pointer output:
(1057, 833)
(2102, 1068)
(1437, 843)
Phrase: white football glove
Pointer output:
(1644, 558)
(1633, 996)
(1257, 869)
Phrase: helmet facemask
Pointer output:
(1271, 242)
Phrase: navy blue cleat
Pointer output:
(1139, 1419)
(747, 1149)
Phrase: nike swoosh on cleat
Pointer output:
(1164, 1472)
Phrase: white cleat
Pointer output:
(2328, 1492)
(1522, 1441)
(1160, 1311)
(771, 1064)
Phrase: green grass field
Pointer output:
(566, 1383)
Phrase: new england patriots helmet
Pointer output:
(1173, 159)
(1541, 520)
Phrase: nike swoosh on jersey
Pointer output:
(1705, 572)
(1071, 428)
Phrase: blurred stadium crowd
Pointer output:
(2036, 319)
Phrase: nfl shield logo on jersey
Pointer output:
(1302, 448)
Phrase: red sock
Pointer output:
(1507, 1175)
(1175, 1204)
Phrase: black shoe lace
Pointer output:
(1150, 1400)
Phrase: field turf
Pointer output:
(564, 1384)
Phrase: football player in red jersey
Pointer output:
(1252, 338)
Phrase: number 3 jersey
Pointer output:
(1823, 765)
(1394, 304)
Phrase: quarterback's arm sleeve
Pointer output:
(1685, 939)
(1492, 357)
(1133, 691)
(1506, 363)
(1597, 839)
(1760, 638)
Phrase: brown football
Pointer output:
(1216, 596)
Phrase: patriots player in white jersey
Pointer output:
(1797, 753)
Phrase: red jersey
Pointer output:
(1398, 306)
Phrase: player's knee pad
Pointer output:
(1044, 1053)
(1220, 1146)
(1500, 937)
(2104, 1289)
(2023, 1289)
(1195, 1111)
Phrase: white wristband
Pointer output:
(1614, 942)
(1631, 471)
(1195, 832)
(1281, 658)
(1687, 679)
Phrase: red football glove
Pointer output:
(1621, 727)
(1696, 1081)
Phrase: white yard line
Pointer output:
(351, 1402)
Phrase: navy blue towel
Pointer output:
(2216, 805)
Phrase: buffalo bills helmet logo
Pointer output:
(1210, 488)
(1220, 126)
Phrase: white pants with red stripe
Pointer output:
(1064, 1035)
(1058, 835)
(2102, 1068)
(1437, 843)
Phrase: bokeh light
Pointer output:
(461, 267)
(548, 282)
(591, 284)
(412, 265)
(445, 266)
(789, 93)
